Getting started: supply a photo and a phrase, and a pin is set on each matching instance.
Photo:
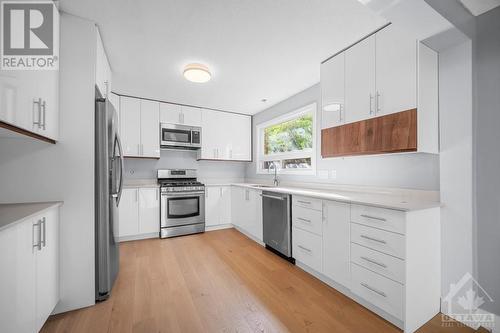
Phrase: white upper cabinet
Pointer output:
(102, 68)
(30, 100)
(396, 79)
(225, 136)
(180, 114)
(360, 80)
(130, 123)
(170, 113)
(191, 116)
(241, 133)
(140, 127)
(333, 91)
(150, 129)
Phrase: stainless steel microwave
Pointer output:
(180, 136)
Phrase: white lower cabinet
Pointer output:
(29, 283)
(246, 211)
(336, 242)
(387, 260)
(307, 248)
(139, 213)
(217, 206)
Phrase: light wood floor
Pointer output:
(219, 281)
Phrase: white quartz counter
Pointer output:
(11, 214)
(399, 199)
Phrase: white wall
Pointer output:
(455, 99)
(208, 171)
(35, 171)
(417, 171)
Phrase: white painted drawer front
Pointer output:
(380, 240)
(388, 266)
(377, 290)
(307, 248)
(387, 219)
(307, 219)
(307, 202)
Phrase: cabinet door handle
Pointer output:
(142, 149)
(381, 293)
(374, 262)
(304, 248)
(371, 99)
(220, 192)
(44, 111)
(374, 239)
(136, 195)
(247, 195)
(39, 243)
(340, 113)
(138, 149)
(304, 220)
(373, 217)
(38, 103)
(43, 226)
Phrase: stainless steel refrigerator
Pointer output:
(108, 189)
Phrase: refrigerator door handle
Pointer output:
(122, 168)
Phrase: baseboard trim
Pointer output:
(218, 227)
(139, 237)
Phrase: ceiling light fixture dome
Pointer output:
(198, 73)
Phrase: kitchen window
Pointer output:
(289, 141)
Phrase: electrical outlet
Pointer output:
(333, 174)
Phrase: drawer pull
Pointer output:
(381, 293)
(304, 202)
(374, 217)
(374, 262)
(304, 248)
(381, 241)
(304, 220)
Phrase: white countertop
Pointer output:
(10, 214)
(399, 199)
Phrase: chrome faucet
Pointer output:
(276, 181)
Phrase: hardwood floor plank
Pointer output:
(220, 281)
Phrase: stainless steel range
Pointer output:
(182, 207)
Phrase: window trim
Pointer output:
(260, 157)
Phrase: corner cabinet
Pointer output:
(225, 136)
(217, 206)
(29, 283)
(140, 127)
(388, 72)
(246, 212)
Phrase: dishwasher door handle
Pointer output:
(272, 197)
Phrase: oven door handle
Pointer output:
(181, 194)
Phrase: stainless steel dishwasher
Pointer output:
(276, 211)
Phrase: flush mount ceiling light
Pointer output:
(198, 73)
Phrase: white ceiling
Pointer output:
(478, 7)
(255, 49)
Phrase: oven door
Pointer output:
(175, 135)
(182, 208)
